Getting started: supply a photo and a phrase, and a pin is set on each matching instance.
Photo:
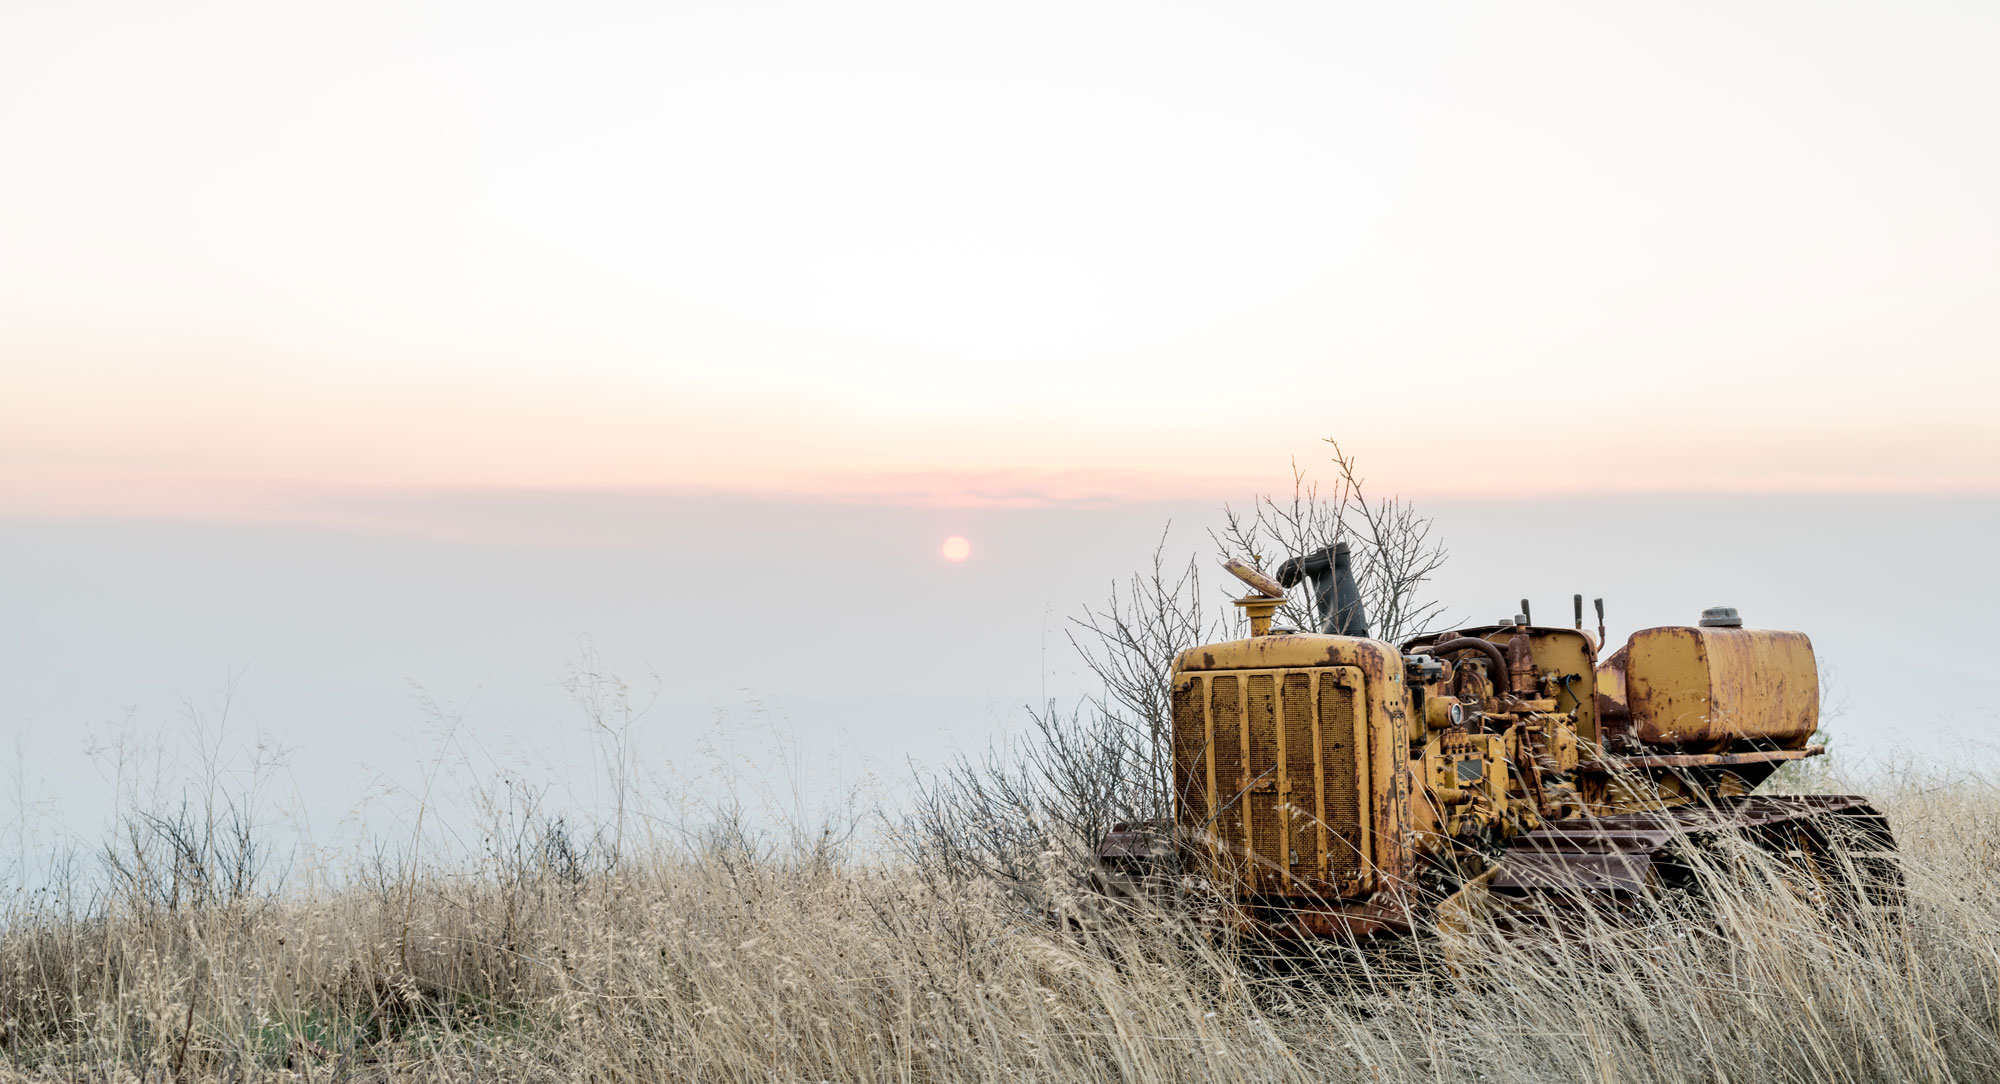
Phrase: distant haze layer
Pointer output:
(834, 640)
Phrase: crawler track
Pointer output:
(1630, 855)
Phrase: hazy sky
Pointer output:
(369, 344)
(1023, 250)
(826, 639)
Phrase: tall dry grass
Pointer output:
(720, 958)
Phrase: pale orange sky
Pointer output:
(250, 254)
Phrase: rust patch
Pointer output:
(1383, 915)
(1696, 686)
(1702, 760)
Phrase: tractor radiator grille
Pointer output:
(1301, 813)
(1225, 709)
(1191, 759)
(1339, 741)
(1269, 838)
(1269, 769)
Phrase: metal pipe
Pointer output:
(1474, 643)
(1340, 609)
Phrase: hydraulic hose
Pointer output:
(1492, 650)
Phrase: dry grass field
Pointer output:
(725, 960)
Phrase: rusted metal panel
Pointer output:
(1570, 658)
(1548, 871)
(1378, 916)
(1225, 728)
(1343, 752)
(1615, 855)
(1264, 842)
(1381, 735)
(1614, 718)
(1700, 685)
(1194, 768)
(1702, 760)
(1273, 768)
(1302, 801)
(1146, 840)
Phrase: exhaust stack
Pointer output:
(1338, 596)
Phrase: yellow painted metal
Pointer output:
(1283, 848)
(1713, 685)
(1467, 780)
(1611, 688)
(1355, 682)
(1563, 652)
(1288, 813)
(1259, 608)
(1208, 827)
(1321, 832)
(1314, 780)
(1364, 784)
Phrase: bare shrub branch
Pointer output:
(1396, 552)
(1130, 643)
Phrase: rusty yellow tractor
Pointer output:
(1329, 784)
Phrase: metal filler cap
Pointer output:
(1721, 617)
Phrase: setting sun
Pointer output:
(956, 548)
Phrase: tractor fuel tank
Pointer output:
(1695, 686)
